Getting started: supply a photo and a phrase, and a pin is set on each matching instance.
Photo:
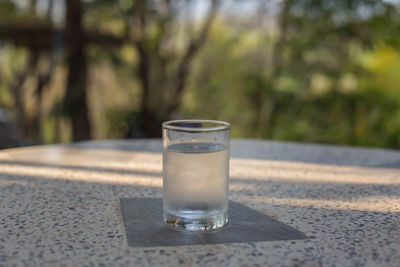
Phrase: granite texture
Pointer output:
(144, 226)
(60, 205)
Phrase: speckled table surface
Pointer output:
(60, 204)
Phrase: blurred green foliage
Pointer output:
(338, 80)
(325, 71)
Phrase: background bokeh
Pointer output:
(298, 70)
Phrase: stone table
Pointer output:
(60, 204)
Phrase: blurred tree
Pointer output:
(76, 93)
(304, 80)
(319, 44)
(307, 70)
(41, 39)
(163, 67)
(30, 127)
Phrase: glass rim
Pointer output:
(221, 125)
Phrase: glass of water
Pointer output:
(196, 173)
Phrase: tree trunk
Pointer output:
(76, 95)
(156, 84)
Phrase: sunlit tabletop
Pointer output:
(60, 204)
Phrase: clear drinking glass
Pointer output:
(196, 173)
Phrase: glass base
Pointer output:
(195, 224)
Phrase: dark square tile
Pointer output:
(144, 226)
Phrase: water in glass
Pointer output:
(196, 185)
